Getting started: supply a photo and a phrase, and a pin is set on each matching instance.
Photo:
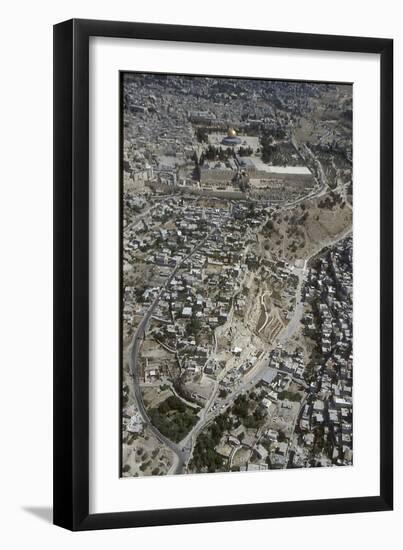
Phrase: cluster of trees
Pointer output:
(252, 261)
(201, 135)
(172, 403)
(267, 147)
(193, 329)
(145, 465)
(331, 200)
(277, 154)
(340, 150)
(322, 442)
(204, 455)
(216, 153)
(294, 231)
(268, 229)
(274, 155)
(245, 410)
(173, 418)
(245, 151)
(242, 408)
(194, 326)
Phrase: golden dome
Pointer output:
(231, 132)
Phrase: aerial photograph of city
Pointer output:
(236, 274)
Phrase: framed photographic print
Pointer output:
(223, 317)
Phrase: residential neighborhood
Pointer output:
(236, 275)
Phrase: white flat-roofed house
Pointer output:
(135, 424)
(187, 312)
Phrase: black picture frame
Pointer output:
(71, 274)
